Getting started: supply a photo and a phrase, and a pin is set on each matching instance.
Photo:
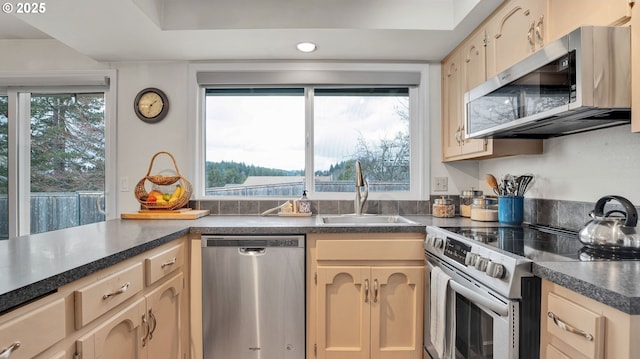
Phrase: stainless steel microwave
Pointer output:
(578, 83)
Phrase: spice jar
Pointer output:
(484, 209)
(466, 200)
(443, 208)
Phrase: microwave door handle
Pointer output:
(500, 308)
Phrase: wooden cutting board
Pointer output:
(182, 213)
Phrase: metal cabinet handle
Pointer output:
(539, 33)
(119, 291)
(145, 325)
(366, 290)
(375, 290)
(169, 263)
(568, 328)
(531, 36)
(153, 324)
(6, 352)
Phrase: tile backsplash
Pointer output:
(564, 214)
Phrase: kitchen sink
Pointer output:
(365, 219)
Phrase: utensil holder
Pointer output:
(511, 209)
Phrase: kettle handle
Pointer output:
(630, 210)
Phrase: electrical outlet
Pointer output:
(441, 184)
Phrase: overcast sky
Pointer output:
(268, 131)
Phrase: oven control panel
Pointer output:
(456, 250)
(494, 268)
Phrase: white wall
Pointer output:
(139, 141)
(580, 167)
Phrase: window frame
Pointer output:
(285, 75)
(18, 87)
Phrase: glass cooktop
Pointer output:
(540, 243)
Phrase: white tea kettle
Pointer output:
(614, 229)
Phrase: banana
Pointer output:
(176, 193)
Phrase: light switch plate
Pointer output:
(441, 184)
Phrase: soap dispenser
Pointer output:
(304, 204)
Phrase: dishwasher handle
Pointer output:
(248, 251)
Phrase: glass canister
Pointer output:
(466, 200)
(484, 209)
(443, 208)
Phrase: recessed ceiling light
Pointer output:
(306, 47)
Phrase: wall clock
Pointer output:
(151, 105)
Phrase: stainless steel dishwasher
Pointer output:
(253, 297)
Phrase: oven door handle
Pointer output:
(500, 308)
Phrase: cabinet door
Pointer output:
(165, 323)
(118, 337)
(567, 15)
(451, 107)
(516, 31)
(343, 318)
(473, 74)
(396, 312)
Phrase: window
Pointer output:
(4, 168)
(67, 160)
(370, 125)
(56, 142)
(261, 136)
(255, 143)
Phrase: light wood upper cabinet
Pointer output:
(567, 15)
(514, 32)
(366, 295)
(460, 72)
(452, 95)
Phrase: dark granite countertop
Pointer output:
(35, 265)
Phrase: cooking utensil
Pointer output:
(493, 183)
(613, 230)
(522, 184)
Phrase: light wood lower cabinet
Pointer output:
(577, 327)
(148, 328)
(164, 316)
(26, 335)
(118, 337)
(110, 313)
(367, 296)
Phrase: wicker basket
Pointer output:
(166, 181)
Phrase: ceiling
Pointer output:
(132, 30)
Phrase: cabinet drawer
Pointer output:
(391, 249)
(160, 264)
(96, 299)
(553, 352)
(35, 331)
(576, 318)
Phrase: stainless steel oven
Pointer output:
(486, 307)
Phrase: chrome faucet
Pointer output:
(361, 197)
